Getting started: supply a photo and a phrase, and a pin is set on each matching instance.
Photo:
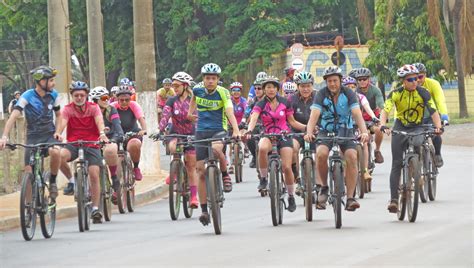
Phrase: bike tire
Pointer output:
(28, 209)
(414, 189)
(174, 195)
(187, 209)
(122, 193)
(361, 188)
(48, 209)
(402, 204)
(131, 187)
(308, 184)
(274, 192)
(106, 194)
(81, 199)
(338, 192)
(213, 200)
(433, 174)
(236, 163)
(425, 155)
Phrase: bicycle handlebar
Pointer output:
(13, 146)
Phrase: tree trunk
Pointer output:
(112, 77)
(96, 44)
(459, 58)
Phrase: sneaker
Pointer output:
(252, 164)
(378, 157)
(263, 184)
(138, 174)
(439, 160)
(194, 202)
(393, 206)
(204, 218)
(322, 198)
(96, 216)
(367, 176)
(291, 203)
(53, 191)
(69, 190)
(352, 204)
(231, 169)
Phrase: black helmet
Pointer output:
(420, 66)
(43, 72)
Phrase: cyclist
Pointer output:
(214, 109)
(84, 121)
(240, 104)
(16, 97)
(114, 132)
(275, 113)
(130, 112)
(300, 103)
(375, 98)
(334, 109)
(252, 93)
(257, 84)
(39, 104)
(411, 101)
(289, 74)
(436, 92)
(351, 83)
(177, 108)
(162, 96)
(113, 92)
(289, 88)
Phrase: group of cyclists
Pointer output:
(208, 110)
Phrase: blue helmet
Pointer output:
(125, 81)
(78, 85)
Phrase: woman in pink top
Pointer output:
(275, 113)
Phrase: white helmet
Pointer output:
(98, 92)
(114, 89)
(406, 70)
(211, 68)
(261, 76)
(183, 77)
(235, 85)
(289, 87)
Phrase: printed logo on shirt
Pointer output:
(50, 106)
(176, 112)
(282, 113)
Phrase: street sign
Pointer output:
(297, 49)
(342, 58)
(297, 64)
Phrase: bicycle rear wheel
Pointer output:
(402, 192)
(424, 176)
(130, 187)
(187, 209)
(174, 194)
(81, 200)
(28, 201)
(106, 193)
(212, 175)
(361, 182)
(338, 193)
(122, 193)
(433, 174)
(275, 201)
(237, 162)
(308, 184)
(48, 209)
(413, 186)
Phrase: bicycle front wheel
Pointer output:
(433, 174)
(48, 209)
(361, 183)
(424, 179)
(275, 202)
(186, 193)
(413, 186)
(106, 193)
(81, 200)
(308, 184)
(238, 158)
(338, 193)
(122, 193)
(28, 197)
(212, 175)
(174, 195)
(130, 187)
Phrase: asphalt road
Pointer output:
(441, 236)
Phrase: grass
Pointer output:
(455, 121)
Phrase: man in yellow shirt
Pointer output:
(162, 96)
(436, 92)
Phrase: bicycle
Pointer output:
(362, 184)
(34, 195)
(336, 176)
(179, 191)
(238, 161)
(105, 204)
(126, 195)
(308, 191)
(430, 170)
(215, 193)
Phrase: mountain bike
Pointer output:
(307, 177)
(126, 195)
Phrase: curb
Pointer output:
(143, 198)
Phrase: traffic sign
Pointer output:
(297, 49)
(297, 64)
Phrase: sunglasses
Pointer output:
(104, 98)
(421, 76)
(176, 85)
(124, 100)
(79, 95)
(235, 89)
(362, 79)
(258, 88)
(411, 80)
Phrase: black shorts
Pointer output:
(300, 141)
(92, 155)
(47, 138)
(283, 142)
(189, 149)
(201, 150)
(344, 145)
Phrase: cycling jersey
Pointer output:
(129, 116)
(410, 105)
(177, 110)
(436, 92)
(301, 108)
(162, 96)
(239, 108)
(112, 121)
(375, 98)
(274, 121)
(211, 108)
(38, 111)
(81, 123)
(335, 118)
(251, 92)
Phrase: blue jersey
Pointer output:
(211, 108)
(341, 112)
(38, 111)
(251, 92)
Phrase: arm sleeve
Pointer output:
(136, 109)
(21, 103)
(257, 108)
(378, 98)
(318, 102)
(226, 99)
(389, 103)
(116, 124)
(252, 92)
(352, 99)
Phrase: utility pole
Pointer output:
(59, 46)
(95, 43)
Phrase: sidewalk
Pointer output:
(149, 189)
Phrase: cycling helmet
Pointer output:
(124, 89)
(288, 70)
(78, 85)
(271, 79)
(181, 77)
(125, 81)
(261, 76)
(362, 72)
(420, 66)
(16, 92)
(353, 72)
(98, 92)
(192, 84)
(304, 78)
(43, 72)
(289, 87)
(332, 70)
(407, 69)
(257, 82)
(211, 68)
(236, 85)
(167, 80)
(347, 80)
(114, 89)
